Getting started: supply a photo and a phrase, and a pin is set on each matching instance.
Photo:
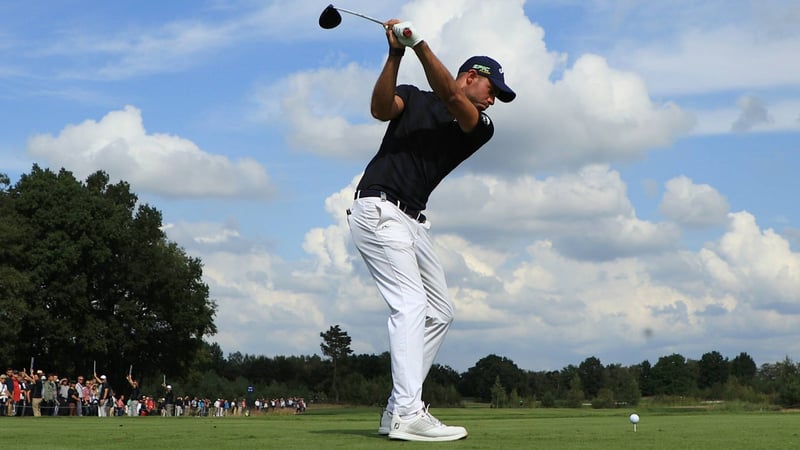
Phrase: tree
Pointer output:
(645, 378)
(499, 396)
(604, 399)
(672, 376)
(335, 345)
(623, 385)
(479, 379)
(444, 375)
(591, 371)
(714, 370)
(13, 282)
(98, 279)
(744, 368)
(575, 396)
(566, 379)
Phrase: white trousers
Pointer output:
(399, 254)
(133, 408)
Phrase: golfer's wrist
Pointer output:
(397, 51)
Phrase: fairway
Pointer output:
(355, 428)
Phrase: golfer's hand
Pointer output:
(407, 34)
(390, 37)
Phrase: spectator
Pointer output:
(169, 400)
(63, 397)
(119, 407)
(5, 395)
(8, 380)
(24, 404)
(133, 396)
(73, 399)
(178, 406)
(93, 399)
(301, 406)
(79, 396)
(16, 392)
(103, 395)
(49, 392)
(36, 381)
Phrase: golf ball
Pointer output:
(634, 418)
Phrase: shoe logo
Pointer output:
(397, 426)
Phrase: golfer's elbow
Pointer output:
(382, 114)
(385, 111)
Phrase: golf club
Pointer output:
(330, 17)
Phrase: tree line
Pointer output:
(497, 380)
(88, 278)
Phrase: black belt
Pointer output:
(413, 213)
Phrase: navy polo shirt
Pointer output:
(420, 147)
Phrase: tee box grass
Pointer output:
(356, 428)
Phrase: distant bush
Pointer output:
(604, 399)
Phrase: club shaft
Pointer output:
(359, 15)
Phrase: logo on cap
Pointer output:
(483, 69)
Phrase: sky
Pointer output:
(636, 200)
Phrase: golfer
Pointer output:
(429, 134)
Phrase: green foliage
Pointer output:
(645, 378)
(478, 381)
(789, 394)
(439, 388)
(604, 399)
(335, 345)
(548, 400)
(592, 374)
(733, 390)
(714, 370)
(575, 396)
(672, 375)
(743, 368)
(91, 277)
(623, 384)
(499, 396)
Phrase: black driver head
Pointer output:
(330, 18)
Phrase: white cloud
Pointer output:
(693, 205)
(160, 163)
(649, 299)
(330, 119)
(116, 52)
(715, 59)
(586, 214)
(595, 113)
(767, 270)
(695, 49)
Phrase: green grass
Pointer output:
(355, 428)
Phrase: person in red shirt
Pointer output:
(17, 395)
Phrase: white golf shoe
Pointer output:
(424, 427)
(386, 423)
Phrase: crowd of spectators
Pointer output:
(41, 394)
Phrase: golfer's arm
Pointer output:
(385, 105)
(444, 85)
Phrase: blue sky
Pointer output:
(637, 199)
